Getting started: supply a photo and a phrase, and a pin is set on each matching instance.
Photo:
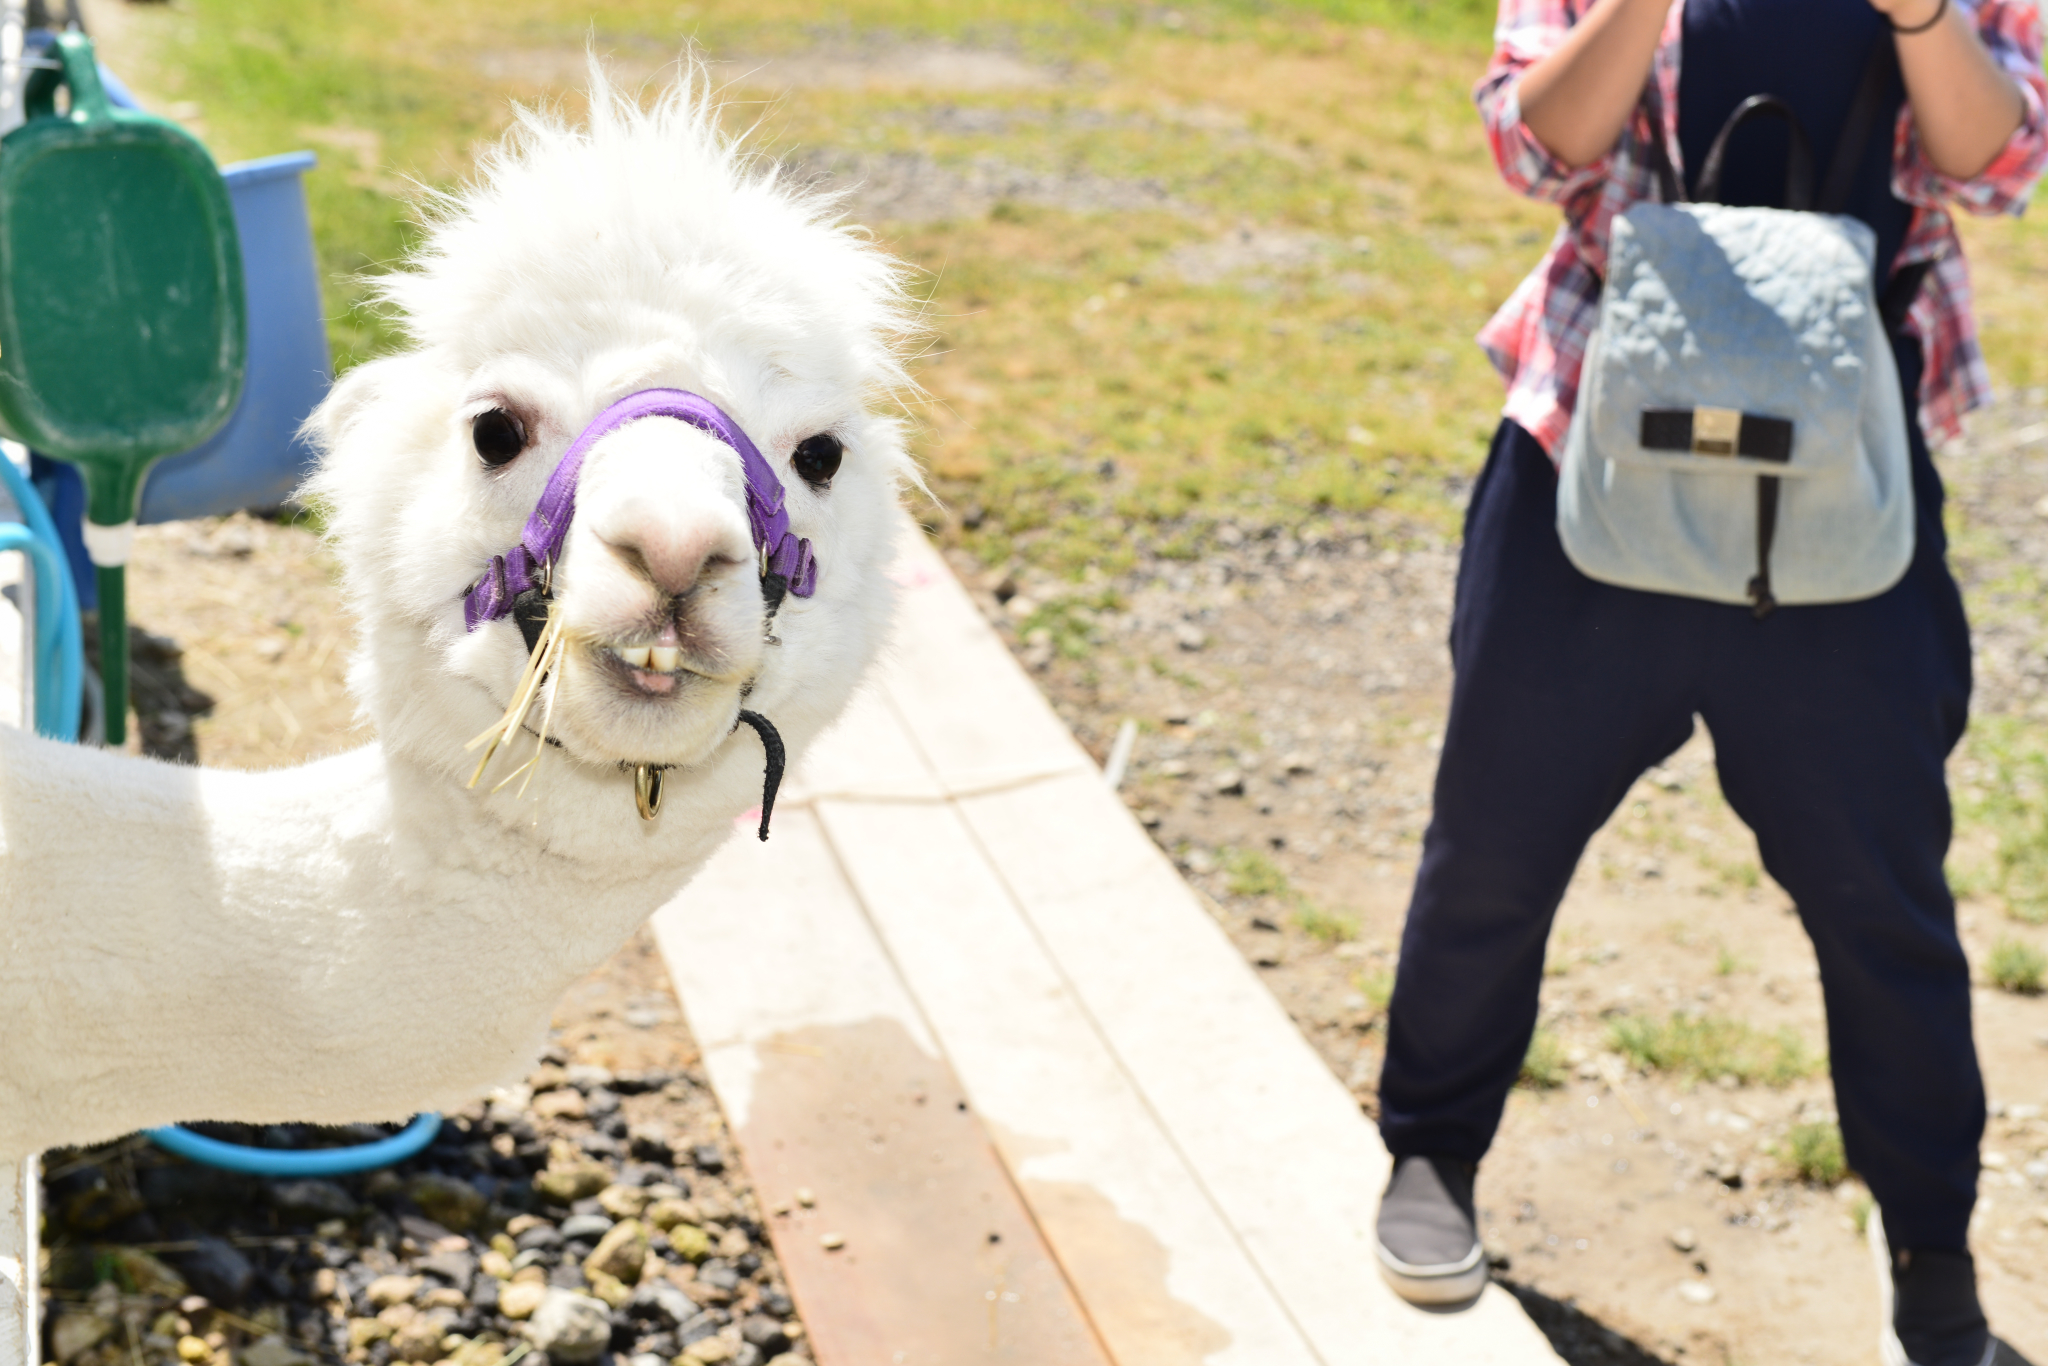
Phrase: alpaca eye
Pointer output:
(499, 436)
(817, 458)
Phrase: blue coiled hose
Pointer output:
(316, 1162)
(59, 644)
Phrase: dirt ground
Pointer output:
(1291, 695)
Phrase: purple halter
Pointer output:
(521, 568)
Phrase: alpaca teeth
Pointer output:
(665, 659)
(636, 655)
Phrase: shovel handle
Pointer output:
(80, 74)
(113, 583)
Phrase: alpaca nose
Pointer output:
(667, 502)
(672, 553)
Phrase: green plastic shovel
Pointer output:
(122, 332)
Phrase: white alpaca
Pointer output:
(368, 936)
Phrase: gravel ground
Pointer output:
(594, 1214)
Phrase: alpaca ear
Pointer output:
(352, 395)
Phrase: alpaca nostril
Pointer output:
(675, 566)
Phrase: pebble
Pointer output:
(519, 1299)
(568, 1183)
(216, 1269)
(586, 1076)
(690, 1242)
(272, 1351)
(621, 1253)
(541, 1238)
(623, 1202)
(832, 1242)
(322, 1198)
(456, 1268)
(666, 1213)
(1684, 1239)
(662, 1300)
(586, 1227)
(1695, 1292)
(77, 1332)
(570, 1327)
(562, 1104)
(386, 1291)
(452, 1203)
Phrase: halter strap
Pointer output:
(521, 568)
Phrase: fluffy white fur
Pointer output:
(365, 937)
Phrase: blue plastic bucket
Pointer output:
(257, 459)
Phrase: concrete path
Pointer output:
(1007, 1089)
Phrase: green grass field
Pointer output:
(1099, 380)
(1278, 333)
(1088, 390)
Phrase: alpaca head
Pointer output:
(640, 252)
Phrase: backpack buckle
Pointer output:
(1716, 431)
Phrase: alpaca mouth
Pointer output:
(653, 671)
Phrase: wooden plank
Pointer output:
(833, 1085)
(1156, 1264)
(19, 1303)
(1216, 1057)
(20, 1179)
(1277, 1141)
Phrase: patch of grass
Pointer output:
(1543, 1066)
(2009, 797)
(1727, 963)
(1331, 927)
(1113, 371)
(1814, 1152)
(2016, 966)
(1248, 872)
(1709, 1047)
(1377, 987)
(1071, 622)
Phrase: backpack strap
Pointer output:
(1762, 604)
(1798, 152)
(1878, 71)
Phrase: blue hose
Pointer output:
(315, 1162)
(59, 645)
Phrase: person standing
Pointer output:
(1831, 722)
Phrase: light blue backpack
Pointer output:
(1740, 435)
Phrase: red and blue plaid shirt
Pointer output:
(1538, 338)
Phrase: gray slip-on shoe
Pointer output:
(1927, 1306)
(1428, 1238)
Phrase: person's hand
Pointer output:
(1907, 13)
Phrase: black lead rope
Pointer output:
(771, 744)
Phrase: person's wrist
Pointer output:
(1913, 16)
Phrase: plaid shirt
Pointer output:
(1538, 338)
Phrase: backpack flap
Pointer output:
(1739, 387)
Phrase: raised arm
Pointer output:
(1965, 106)
(1577, 99)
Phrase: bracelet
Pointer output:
(1940, 12)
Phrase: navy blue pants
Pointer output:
(1830, 728)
